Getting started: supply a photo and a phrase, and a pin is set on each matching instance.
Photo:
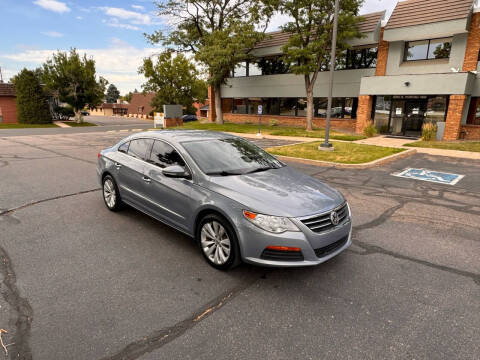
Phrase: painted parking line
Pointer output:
(430, 175)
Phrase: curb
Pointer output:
(371, 164)
(61, 124)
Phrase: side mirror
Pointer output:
(176, 171)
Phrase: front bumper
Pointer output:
(253, 241)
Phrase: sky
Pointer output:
(109, 31)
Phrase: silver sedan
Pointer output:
(237, 201)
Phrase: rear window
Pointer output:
(124, 147)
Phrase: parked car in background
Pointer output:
(237, 201)
(187, 118)
(84, 113)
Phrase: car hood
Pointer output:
(280, 192)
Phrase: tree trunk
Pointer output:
(78, 116)
(309, 126)
(218, 105)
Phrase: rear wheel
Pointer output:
(218, 242)
(111, 195)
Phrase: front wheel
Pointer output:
(111, 195)
(218, 242)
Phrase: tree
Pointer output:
(112, 94)
(73, 77)
(128, 96)
(31, 99)
(308, 48)
(174, 79)
(220, 34)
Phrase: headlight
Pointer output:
(274, 224)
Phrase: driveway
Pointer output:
(81, 282)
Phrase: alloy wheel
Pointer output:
(109, 193)
(215, 242)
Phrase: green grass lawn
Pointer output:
(74, 124)
(25, 126)
(269, 130)
(462, 146)
(344, 153)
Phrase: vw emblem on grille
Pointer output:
(334, 218)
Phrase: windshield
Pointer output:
(232, 156)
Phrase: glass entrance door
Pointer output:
(415, 112)
(407, 117)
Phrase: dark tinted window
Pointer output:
(124, 147)
(164, 155)
(139, 147)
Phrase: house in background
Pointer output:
(8, 105)
(140, 105)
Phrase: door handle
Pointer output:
(147, 179)
(118, 166)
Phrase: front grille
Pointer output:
(321, 223)
(277, 255)
(327, 250)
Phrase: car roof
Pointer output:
(178, 136)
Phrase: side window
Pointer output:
(140, 148)
(164, 155)
(124, 147)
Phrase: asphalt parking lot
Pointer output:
(80, 282)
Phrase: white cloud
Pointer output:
(115, 23)
(53, 5)
(138, 7)
(53, 34)
(79, 18)
(118, 63)
(132, 16)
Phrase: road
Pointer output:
(80, 282)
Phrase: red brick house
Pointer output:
(140, 104)
(8, 106)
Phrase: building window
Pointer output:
(474, 113)
(240, 69)
(271, 106)
(288, 106)
(254, 68)
(253, 104)
(273, 65)
(358, 58)
(239, 106)
(302, 107)
(428, 49)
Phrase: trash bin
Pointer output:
(440, 130)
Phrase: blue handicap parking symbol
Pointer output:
(429, 175)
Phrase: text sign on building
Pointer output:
(430, 175)
(260, 109)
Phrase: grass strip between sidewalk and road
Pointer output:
(26, 126)
(344, 153)
(460, 146)
(268, 130)
(75, 124)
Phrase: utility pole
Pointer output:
(1, 76)
(327, 145)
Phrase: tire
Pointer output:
(111, 195)
(218, 242)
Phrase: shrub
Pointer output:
(273, 122)
(370, 130)
(429, 131)
(63, 113)
(32, 102)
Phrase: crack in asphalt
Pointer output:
(9, 211)
(159, 338)
(20, 348)
(51, 151)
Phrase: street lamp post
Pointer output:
(327, 144)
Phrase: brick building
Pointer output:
(140, 104)
(8, 106)
(420, 66)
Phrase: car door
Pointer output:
(130, 172)
(170, 198)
